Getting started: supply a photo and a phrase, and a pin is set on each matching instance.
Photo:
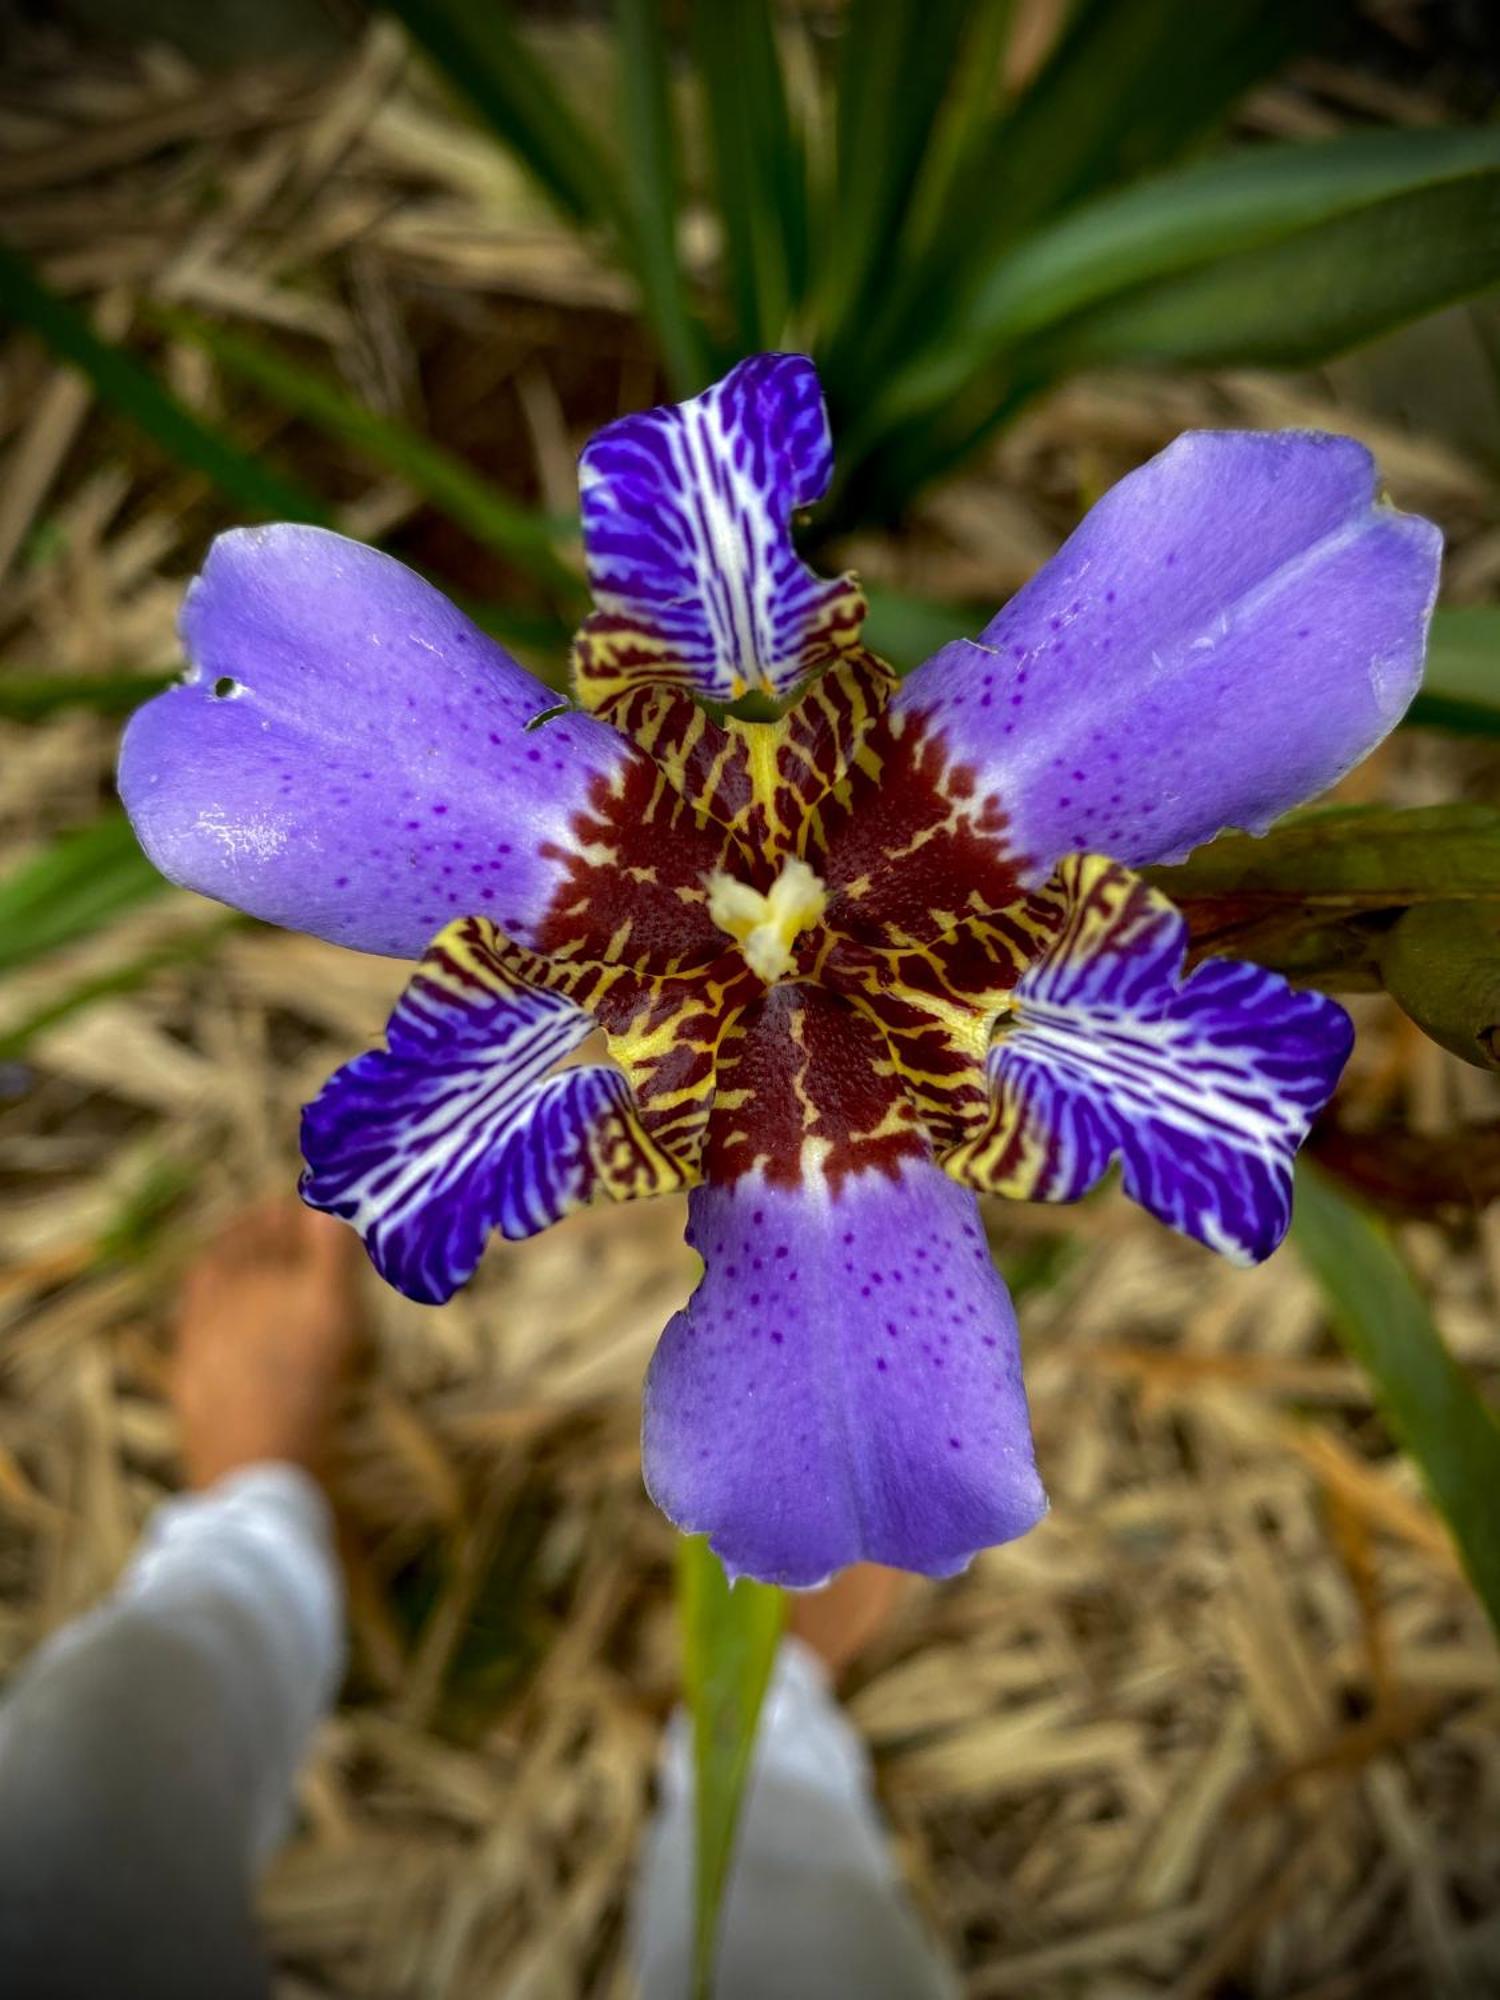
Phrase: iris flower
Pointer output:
(853, 967)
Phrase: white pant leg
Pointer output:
(148, 1750)
(814, 1909)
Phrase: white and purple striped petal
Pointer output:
(845, 1383)
(1230, 629)
(687, 526)
(1203, 1086)
(351, 756)
(456, 1129)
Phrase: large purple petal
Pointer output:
(351, 756)
(1230, 629)
(687, 523)
(1202, 1087)
(455, 1128)
(845, 1384)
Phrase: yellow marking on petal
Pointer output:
(765, 927)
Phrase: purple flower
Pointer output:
(851, 966)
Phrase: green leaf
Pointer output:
(33, 697)
(1461, 682)
(1376, 256)
(523, 535)
(1441, 963)
(650, 155)
(1314, 897)
(478, 47)
(1130, 86)
(80, 882)
(1275, 255)
(897, 61)
(1430, 1403)
(123, 385)
(126, 978)
(760, 175)
(730, 1635)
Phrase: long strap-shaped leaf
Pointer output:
(729, 1638)
(896, 67)
(525, 536)
(1280, 255)
(71, 887)
(476, 44)
(1431, 1404)
(1131, 85)
(1461, 681)
(121, 383)
(651, 157)
(760, 174)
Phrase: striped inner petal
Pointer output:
(456, 1129)
(1202, 1086)
(687, 527)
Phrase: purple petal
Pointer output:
(687, 525)
(845, 1384)
(1202, 1087)
(454, 1129)
(1230, 630)
(351, 755)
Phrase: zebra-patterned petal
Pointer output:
(455, 1128)
(1203, 1087)
(687, 526)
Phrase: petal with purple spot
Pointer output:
(351, 756)
(1230, 629)
(845, 1383)
(456, 1129)
(687, 526)
(1203, 1087)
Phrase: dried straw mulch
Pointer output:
(1225, 1724)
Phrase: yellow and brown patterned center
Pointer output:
(766, 924)
(793, 933)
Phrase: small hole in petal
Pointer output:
(225, 686)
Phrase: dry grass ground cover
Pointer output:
(1226, 1724)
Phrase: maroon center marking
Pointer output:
(655, 848)
(809, 1067)
(918, 839)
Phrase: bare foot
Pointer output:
(841, 1619)
(267, 1328)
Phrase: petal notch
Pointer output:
(845, 1384)
(687, 515)
(1228, 632)
(1203, 1087)
(455, 1128)
(351, 756)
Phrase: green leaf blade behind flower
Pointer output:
(1276, 255)
(759, 170)
(71, 888)
(523, 535)
(123, 385)
(1129, 87)
(1316, 896)
(1461, 681)
(1440, 962)
(730, 1635)
(897, 64)
(1430, 1402)
(36, 697)
(476, 44)
(651, 161)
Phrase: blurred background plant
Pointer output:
(385, 270)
